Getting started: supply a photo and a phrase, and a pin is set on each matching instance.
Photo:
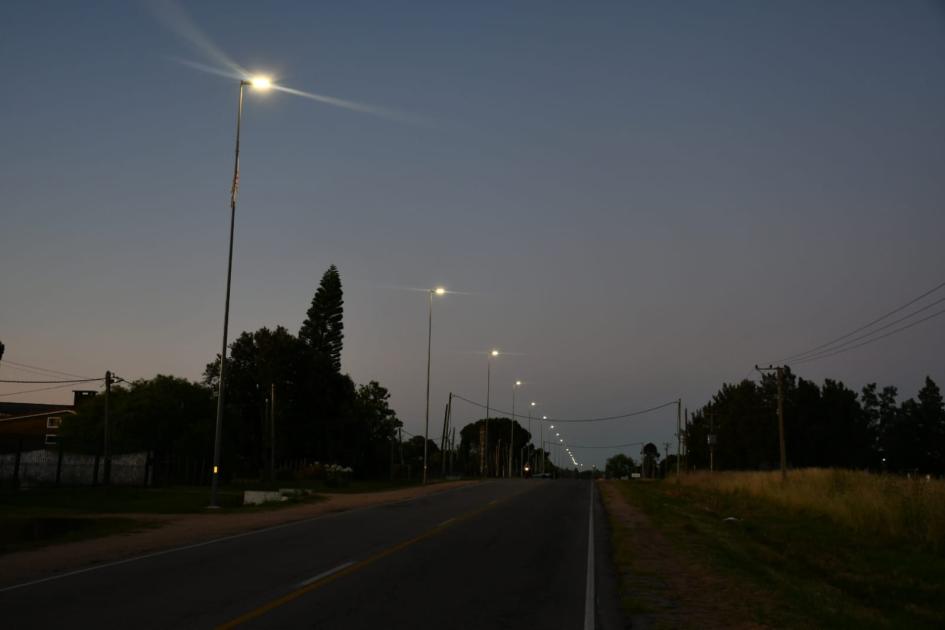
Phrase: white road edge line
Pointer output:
(589, 591)
(263, 530)
(325, 574)
(447, 521)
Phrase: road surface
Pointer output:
(501, 554)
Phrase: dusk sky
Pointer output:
(639, 201)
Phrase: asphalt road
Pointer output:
(504, 554)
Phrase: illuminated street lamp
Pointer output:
(426, 422)
(484, 439)
(515, 386)
(260, 83)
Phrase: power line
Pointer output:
(570, 420)
(869, 341)
(824, 346)
(41, 389)
(842, 346)
(83, 380)
(41, 369)
(609, 445)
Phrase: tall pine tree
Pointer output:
(323, 327)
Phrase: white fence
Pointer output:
(49, 467)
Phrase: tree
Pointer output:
(375, 428)
(323, 327)
(650, 457)
(2, 347)
(165, 414)
(619, 466)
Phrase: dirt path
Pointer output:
(175, 530)
(659, 587)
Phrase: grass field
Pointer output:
(829, 549)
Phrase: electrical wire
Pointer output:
(569, 420)
(835, 349)
(41, 389)
(825, 346)
(41, 369)
(869, 341)
(609, 445)
(82, 380)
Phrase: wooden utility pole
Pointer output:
(446, 432)
(711, 441)
(272, 432)
(780, 371)
(678, 434)
(107, 477)
(781, 423)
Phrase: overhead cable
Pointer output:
(869, 341)
(568, 420)
(41, 369)
(828, 346)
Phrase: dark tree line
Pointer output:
(319, 413)
(497, 448)
(826, 425)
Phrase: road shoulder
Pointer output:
(165, 532)
(658, 587)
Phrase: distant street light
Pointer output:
(515, 386)
(260, 83)
(484, 439)
(426, 423)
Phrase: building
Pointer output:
(30, 426)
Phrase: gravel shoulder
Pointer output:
(166, 531)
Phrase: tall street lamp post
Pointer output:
(426, 423)
(515, 386)
(262, 84)
(484, 434)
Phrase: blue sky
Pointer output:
(642, 199)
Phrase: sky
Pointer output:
(635, 201)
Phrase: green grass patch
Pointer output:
(819, 571)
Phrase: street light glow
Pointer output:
(518, 383)
(494, 353)
(439, 291)
(260, 82)
(533, 403)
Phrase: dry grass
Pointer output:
(905, 510)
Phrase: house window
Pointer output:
(51, 439)
(53, 422)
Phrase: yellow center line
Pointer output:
(357, 566)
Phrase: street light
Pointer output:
(261, 83)
(484, 437)
(515, 386)
(426, 422)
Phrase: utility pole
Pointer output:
(686, 436)
(666, 452)
(107, 448)
(444, 443)
(272, 432)
(678, 434)
(780, 371)
(711, 442)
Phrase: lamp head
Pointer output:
(439, 291)
(494, 353)
(518, 383)
(260, 82)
